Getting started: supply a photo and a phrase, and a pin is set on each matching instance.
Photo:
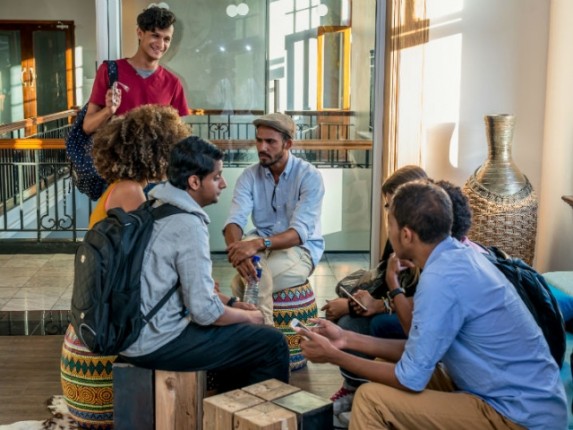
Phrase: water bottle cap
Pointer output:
(256, 258)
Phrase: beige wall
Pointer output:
(486, 57)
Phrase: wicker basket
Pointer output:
(506, 221)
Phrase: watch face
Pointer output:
(267, 243)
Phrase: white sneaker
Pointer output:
(342, 421)
(342, 400)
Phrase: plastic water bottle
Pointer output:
(252, 290)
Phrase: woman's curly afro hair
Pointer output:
(136, 146)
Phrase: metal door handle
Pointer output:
(32, 76)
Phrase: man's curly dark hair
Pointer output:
(461, 209)
(136, 146)
(155, 17)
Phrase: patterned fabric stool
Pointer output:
(295, 302)
(87, 383)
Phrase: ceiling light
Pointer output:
(243, 9)
(232, 10)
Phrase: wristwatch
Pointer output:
(395, 292)
(232, 301)
(267, 242)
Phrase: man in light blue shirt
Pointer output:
(283, 195)
(468, 320)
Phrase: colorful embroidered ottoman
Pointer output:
(295, 302)
(87, 383)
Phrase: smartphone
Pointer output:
(351, 297)
(295, 323)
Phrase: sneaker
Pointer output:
(342, 400)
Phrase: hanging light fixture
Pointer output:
(241, 9)
(232, 10)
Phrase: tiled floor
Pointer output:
(44, 281)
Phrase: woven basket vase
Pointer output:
(503, 202)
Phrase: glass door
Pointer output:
(36, 69)
(49, 76)
(11, 77)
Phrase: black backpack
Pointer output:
(79, 147)
(106, 300)
(535, 293)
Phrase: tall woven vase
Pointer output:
(503, 201)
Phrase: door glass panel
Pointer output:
(50, 73)
(11, 94)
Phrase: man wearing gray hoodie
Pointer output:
(195, 329)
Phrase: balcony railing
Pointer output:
(38, 200)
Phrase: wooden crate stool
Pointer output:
(266, 416)
(146, 399)
(312, 412)
(295, 302)
(270, 389)
(219, 411)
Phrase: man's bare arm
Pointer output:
(232, 233)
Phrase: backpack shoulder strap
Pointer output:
(155, 309)
(112, 73)
(166, 210)
(159, 212)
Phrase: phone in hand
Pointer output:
(295, 323)
(351, 297)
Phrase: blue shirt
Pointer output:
(295, 202)
(468, 315)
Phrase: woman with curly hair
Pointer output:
(130, 152)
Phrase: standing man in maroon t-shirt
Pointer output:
(141, 80)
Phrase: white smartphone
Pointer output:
(351, 297)
(295, 323)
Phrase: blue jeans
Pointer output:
(387, 327)
(380, 325)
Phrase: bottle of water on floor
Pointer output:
(252, 290)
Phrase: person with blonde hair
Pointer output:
(130, 152)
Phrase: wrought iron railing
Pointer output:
(38, 200)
